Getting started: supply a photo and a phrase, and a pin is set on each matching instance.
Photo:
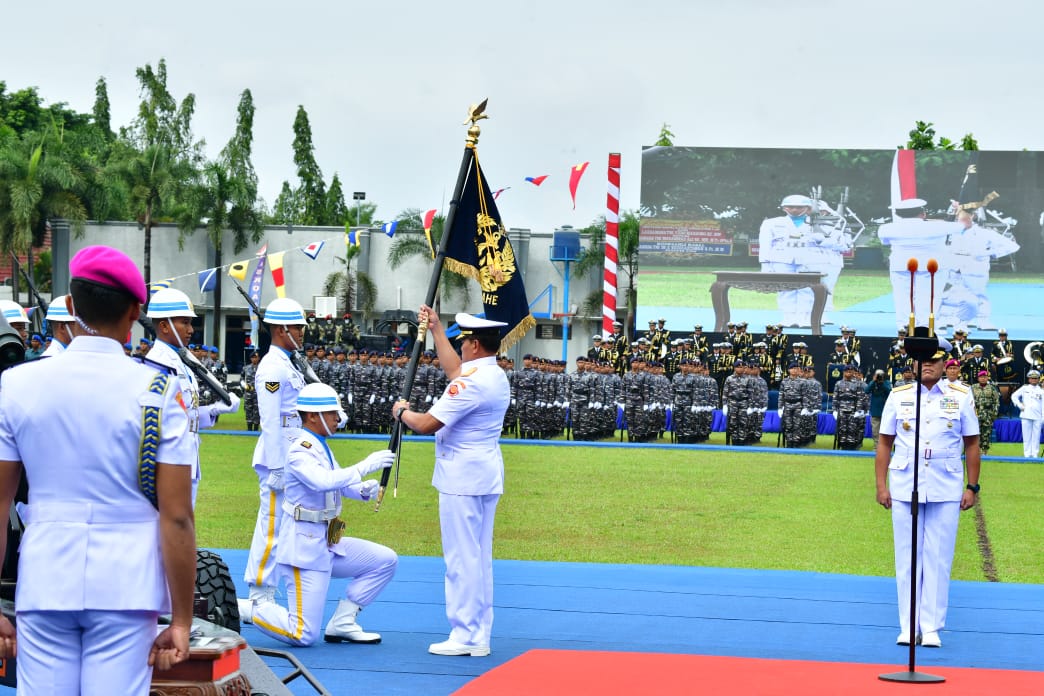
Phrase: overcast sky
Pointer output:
(387, 84)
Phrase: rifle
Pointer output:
(296, 358)
(32, 289)
(193, 363)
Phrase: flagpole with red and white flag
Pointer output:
(904, 177)
(612, 245)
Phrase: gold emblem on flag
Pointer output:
(496, 257)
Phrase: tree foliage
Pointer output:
(922, 137)
(312, 190)
(666, 137)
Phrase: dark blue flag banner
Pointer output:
(479, 248)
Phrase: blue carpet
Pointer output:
(668, 609)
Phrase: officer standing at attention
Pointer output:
(781, 247)
(110, 541)
(469, 473)
(277, 384)
(253, 417)
(947, 426)
(60, 321)
(172, 313)
(311, 548)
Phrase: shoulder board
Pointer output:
(904, 387)
(306, 444)
(154, 365)
(468, 372)
(959, 388)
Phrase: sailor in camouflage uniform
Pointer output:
(851, 403)
(791, 403)
(812, 399)
(705, 402)
(987, 405)
(736, 400)
(253, 416)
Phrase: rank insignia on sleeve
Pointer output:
(455, 388)
(272, 387)
(306, 444)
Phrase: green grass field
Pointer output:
(703, 508)
(679, 287)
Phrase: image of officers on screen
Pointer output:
(851, 404)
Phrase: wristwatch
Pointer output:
(973, 487)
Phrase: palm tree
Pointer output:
(408, 246)
(356, 288)
(36, 185)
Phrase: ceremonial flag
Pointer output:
(536, 180)
(313, 249)
(207, 280)
(429, 218)
(255, 291)
(275, 262)
(612, 245)
(389, 227)
(238, 270)
(496, 194)
(574, 179)
(351, 238)
(904, 176)
(479, 248)
(160, 285)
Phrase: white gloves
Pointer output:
(565, 404)
(381, 459)
(220, 407)
(724, 409)
(779, 412)
(692, 409)
(373, 397)
(805, 412)
(835, 415)
(750, 411)
(427, 400)
(275, 479)
(349, 397)
(368, 488)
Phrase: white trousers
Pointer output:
(467, 547)
(90, 653)
(936, 538)
(261, 562)
(1031, 437)
(794, 305)
(300, 622)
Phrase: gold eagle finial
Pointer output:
(476, 112)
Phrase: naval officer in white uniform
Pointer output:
(172, 313)
(311, 548)
(469, 473)
(110, 538)
(948, 428)
(60, 321)
(277, 383)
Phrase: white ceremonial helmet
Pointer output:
(796, 201)
(168, 303)
(13, 312)
(321, 398)
(57, 311)
(283, 311)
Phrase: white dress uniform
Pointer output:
(314, 485)
(922, 240)
(54, 348)
(781, 243)
(1029, 399)
(91, 579)
(971, 250)
(199, 417)
(277, 384)
(947, 416)
(469, 475)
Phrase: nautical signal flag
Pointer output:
(238, 270)
(478, 247)
(390, 227)
(429, 218)
(537, 180)
(208, 280)
(275, 263)
(313, 249)
(496, 194)
(352, 238)
(574, 179)
(160, 285)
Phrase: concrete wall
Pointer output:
(401, 288)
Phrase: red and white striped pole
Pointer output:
(612, 245)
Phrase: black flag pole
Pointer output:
(475, 113)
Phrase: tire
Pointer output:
(214, 584)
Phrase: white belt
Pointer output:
(305, 515)
(930, 453)
(89, 513)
